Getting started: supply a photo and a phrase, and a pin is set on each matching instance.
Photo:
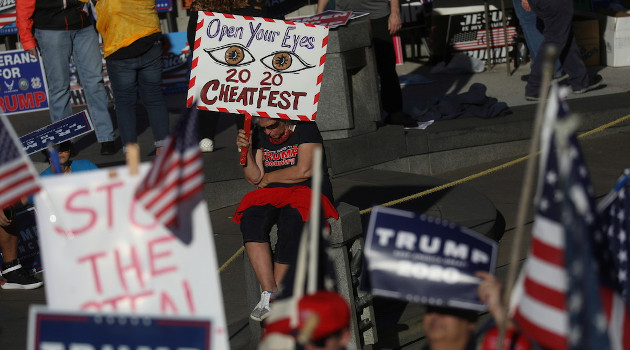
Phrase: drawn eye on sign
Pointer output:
(285, 62)
(231, 55)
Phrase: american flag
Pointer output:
(560, 299)
(476, 39)
(17, 175)
(172, 188)
(7, 13)
(611, 249)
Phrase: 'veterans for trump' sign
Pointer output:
(424, 259)
(257, 66)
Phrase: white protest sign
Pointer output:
(257, 66)
(104, 253)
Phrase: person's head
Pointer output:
(448, 328)
(64, 149)
(331, 315)
(276, 129)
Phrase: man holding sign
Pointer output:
(279, 162)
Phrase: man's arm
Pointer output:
(300, 172)
(394, 22)
(24, 21)
(525, 4)
(321, 5)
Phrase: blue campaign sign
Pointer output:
(423, 259)
(28, 242)
(49, 329)
(57, 132)
(163, 5)
(25, 227)
(23, 87)
(175, 63)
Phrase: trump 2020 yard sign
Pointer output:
(257, 66)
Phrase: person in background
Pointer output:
(279, 162)
(323, 323)
(67, 166)
(385, 21)
(448, 328)
(61, 30)
(533, 35)
(557, 19)
(14, 276)
(133, 51)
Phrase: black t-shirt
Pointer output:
(286, 154)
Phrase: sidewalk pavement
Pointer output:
(398, 323)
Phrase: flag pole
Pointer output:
(314, 219)
(247, 126)
(133, 158)
(549, 57)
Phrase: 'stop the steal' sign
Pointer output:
(103, 252)
(257, 66)
(424, 259)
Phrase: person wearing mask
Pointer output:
(279, 163)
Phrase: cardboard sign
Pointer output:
(467, 34)
(48, 329)
(263, 67)
(23, 87)
(104, 253)
(427, 260)
(57, 132)
(332, 19)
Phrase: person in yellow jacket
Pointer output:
(133, 52)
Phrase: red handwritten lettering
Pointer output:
(78, 210)
(154, 256)
(110, 200)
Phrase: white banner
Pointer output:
(104, 253)
(263, 67)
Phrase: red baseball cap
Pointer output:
(331, 309)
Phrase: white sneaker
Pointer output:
(261, 311)
(206, 145)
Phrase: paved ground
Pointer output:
(399, 327)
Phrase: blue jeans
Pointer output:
(56, 47)
(532, 31)
(557, 18)
(143, 72)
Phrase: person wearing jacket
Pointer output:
(133, 51)
(61, 29)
